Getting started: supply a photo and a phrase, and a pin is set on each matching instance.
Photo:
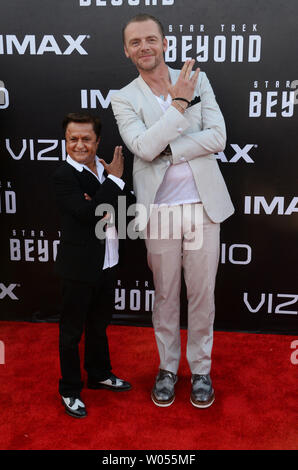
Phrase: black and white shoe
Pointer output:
(74, 407)
(112, 383)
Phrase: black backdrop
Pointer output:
(65, 55)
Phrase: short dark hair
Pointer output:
(143, 17)
(84, 118)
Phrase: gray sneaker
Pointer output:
(202, 393)
(163, 393)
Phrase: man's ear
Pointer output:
(165, 44)
(97, 142)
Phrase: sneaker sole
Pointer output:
(161, 404)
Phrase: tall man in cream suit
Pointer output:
(171, 122)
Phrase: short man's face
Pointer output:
(144, 45)
(81, 142)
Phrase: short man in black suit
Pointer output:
(85, 263)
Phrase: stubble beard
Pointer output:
(150, 67)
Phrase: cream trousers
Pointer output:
(169, 253)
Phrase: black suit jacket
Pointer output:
(80, 254)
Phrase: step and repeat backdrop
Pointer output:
(61, 56)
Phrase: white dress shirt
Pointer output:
(112, 243)
(178, 185)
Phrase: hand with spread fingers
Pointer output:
(116, 166)
(185, 86)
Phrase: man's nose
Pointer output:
(80, 143)
(144, 45)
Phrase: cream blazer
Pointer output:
(193, 137)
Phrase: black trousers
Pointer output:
(86, 307)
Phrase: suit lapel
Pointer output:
(153, 109)
(88, 182)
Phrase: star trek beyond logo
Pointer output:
(272, 98)
(139, 297)
(4, 96)
(31, 44)
(130, 3)
(231, 43)
(33, 246)
(8, 198)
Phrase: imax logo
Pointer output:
(240, 153)
(256, 204)
(8, 291)
(90, 98)
(10, 44)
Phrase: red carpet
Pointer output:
(255, 388)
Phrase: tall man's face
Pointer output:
(144, 45)
(81, 142)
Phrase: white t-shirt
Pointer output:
(178, 185)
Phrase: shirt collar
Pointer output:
(80, 166)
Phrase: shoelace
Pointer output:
(163, 375)
(203, 378)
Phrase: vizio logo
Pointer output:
(271, 303)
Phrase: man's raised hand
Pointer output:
(116, 166)
(186, 83)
